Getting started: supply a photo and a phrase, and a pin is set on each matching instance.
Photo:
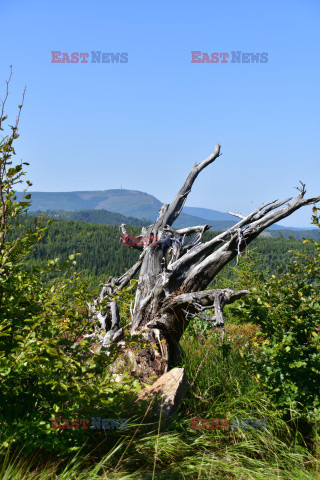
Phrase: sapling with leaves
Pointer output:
(42, 373)
(11, 175)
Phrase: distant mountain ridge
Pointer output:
(209, 214)
(128, 202)
(131, 203)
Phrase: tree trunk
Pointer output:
(174, 275)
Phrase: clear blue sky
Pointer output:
(144, 123)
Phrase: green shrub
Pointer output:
(44, 372)
(287, 309)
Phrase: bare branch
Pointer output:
(198, 254)
(190, 302)
(3, 102)
(174, 209)
(237, 215)
(209, 264)
(188, 230)
(123, 229)
(204, 298)
(117, 284)
(302, 188)
(115, 317)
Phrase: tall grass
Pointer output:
(223, 388)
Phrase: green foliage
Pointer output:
(287, 308)
(47, 367)
(41, 374)
(224, 388)
(12, 253)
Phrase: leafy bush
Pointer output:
(287, 308)
(47, 367)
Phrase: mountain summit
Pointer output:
(127, 202)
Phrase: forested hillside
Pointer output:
(102, 253)
(94, 216)
(112, 218)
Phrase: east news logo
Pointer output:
(225, 57)
(82, 57)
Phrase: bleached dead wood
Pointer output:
(174, 270)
